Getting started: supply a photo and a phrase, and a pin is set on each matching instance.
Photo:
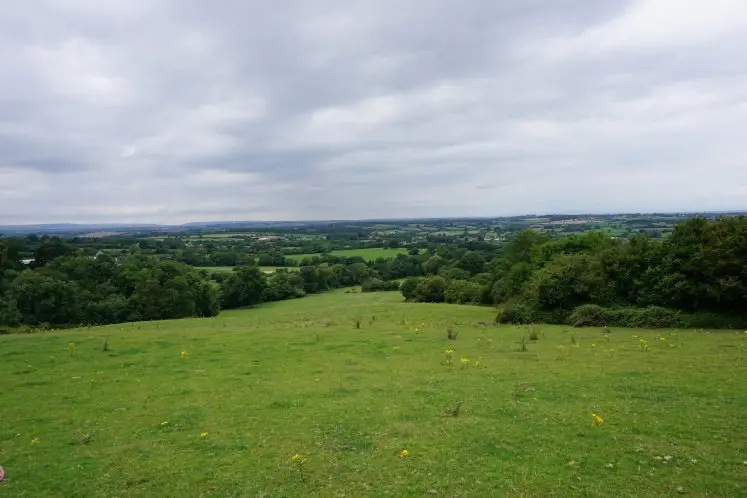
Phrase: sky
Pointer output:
(171, 111)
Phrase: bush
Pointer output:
(652, 317)
(712, 321)
(516, 312)
(463, 292)
(378, 285)
(430, 290)
(409, 287)
(587, 315)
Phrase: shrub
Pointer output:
(463, 292)
(409, 287)
(431, 290)
(712, 321)
(533, 334)
(516, 312)
(378, 285)
(587, 315)
(651, 317)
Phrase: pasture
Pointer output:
(367, 254)
(349, 381)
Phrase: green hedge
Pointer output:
(591, 315)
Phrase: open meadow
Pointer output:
(369, 254)
(363, 390)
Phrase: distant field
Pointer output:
(367, 254)
(228, 269)
(215, 269)
(217, 407)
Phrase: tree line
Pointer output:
(697, 277)
(65, 287)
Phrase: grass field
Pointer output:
(217, 407)
(367, 254)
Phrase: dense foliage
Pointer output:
(697, 276)
(76, 289)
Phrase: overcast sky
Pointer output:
(171, 111)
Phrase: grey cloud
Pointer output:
(175, 111)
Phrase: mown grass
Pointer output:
(298, 377)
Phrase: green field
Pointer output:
(367, 254)
(217, 407)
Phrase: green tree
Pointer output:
(409, 287)
(434, 264)
(431, 290)
(50, 250)
(472, 262)
(244, 287)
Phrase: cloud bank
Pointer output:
(172, 111)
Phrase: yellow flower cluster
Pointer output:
(597, 420)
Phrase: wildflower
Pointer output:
(183, 355)
(203, 434)
(299, 460)
(396, 348)
(464, 362)
(597, 420)
(36, 440)
(164, 423)
(449, 352)
(593, 345)
(404, 453)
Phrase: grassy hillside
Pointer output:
(217, 407)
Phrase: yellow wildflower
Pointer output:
(164, 423)
(203, 434)
(449, 352)
(297, 459)
(404, 453)
(183, 355)
(464, 361)
(35, 440)
(597, 420)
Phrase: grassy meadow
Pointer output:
(219, 406)
(367, 254)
